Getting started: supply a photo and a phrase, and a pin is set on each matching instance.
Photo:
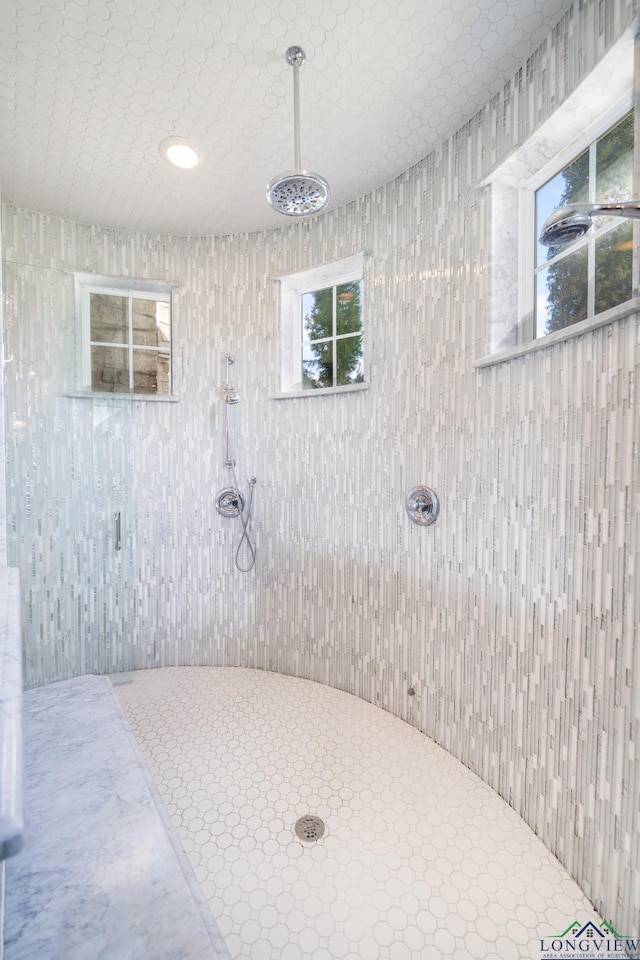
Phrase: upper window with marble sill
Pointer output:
(583, 153)
(592, 274)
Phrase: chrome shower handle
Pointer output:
(422, 506)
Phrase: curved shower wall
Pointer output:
(507, 617)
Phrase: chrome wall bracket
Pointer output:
(422, 506)
(229, 503)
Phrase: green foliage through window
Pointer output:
(332, 336)
(592, 274)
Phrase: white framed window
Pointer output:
(322, 329)
(124, 343)
(530, 304)
(580, 280)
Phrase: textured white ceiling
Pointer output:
(90, 88)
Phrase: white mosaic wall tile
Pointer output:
(3, 498)
(3, 560)
(514, 617)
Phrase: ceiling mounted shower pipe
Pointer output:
(572, 221)
(298, 193)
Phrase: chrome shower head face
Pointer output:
(231, 397)
(298, 193)
(565, 225)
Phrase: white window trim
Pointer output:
(603, 94)
(292, 288)
(85, 285)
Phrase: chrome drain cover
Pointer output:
(309, 828)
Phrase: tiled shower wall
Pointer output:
(3, 560)
(513, 617)
(3, 497)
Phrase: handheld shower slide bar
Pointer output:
(230, 502)
(572, 221)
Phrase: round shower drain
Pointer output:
(309, 828)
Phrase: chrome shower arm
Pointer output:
(627, 208)
(296, 59)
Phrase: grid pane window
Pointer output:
(332, 336)
(129, 342)
(594, 273)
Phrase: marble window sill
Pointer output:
(576, 330)
(326, 391)
(121, 397)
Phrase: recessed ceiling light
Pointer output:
(179, 153)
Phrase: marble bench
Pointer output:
(102, 873)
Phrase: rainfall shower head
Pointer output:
(297, 193)
(572, 221)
